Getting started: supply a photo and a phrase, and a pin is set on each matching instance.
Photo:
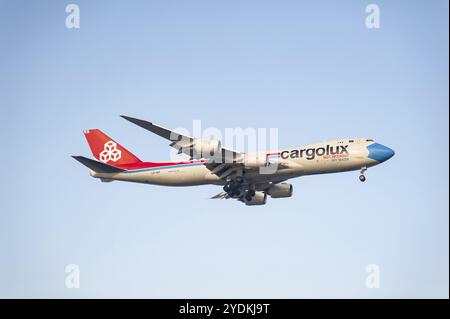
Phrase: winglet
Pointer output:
(138, 122)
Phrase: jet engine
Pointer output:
(206, 148)
(280, 190)
(258, 199)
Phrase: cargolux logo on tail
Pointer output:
(110, 153)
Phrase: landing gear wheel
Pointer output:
(235, 193)
(227, 188)
(249, 195)
(362, 178)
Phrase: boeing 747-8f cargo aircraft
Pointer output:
(244, 176)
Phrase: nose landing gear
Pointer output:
(362, 177)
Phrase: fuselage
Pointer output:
(320, 158)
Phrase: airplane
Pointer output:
(247, 177)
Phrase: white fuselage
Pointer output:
(321, 158)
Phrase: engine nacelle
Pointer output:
(280, 190)
(260, 198)
(206, 148)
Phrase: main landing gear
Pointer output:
(232, 188)
(249, 194)
(362, 177)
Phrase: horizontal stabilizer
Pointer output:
(96, 166)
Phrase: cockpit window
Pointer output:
(370, 140)
(351, 141)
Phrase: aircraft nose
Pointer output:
(379, 152)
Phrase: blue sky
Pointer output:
(309, 68)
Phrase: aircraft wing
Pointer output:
(158, 130)
(222, 164)
(222, 195)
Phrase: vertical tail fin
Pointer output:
(106, 150)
